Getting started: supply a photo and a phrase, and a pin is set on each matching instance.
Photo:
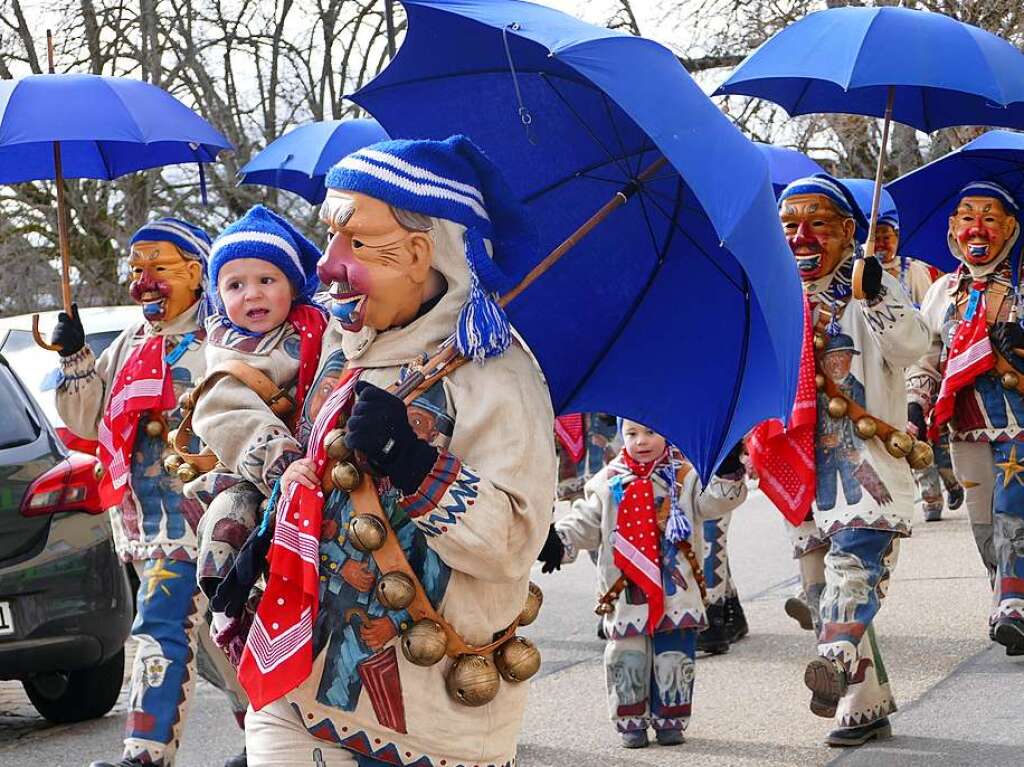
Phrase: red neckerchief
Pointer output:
(278, 654)
(784, 456)
(309, 322)
(569, 430)
(970, 355)
(637, 548)
(142, 384)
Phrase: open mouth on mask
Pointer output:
(809, 264)
(347, 305)
(153, 304)
(977, 250)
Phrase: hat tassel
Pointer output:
(483, 328)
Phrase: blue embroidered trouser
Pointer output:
(717, 576)
(650, 680)
(858, 564)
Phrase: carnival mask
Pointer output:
(981, 227)
(377, 270)
(818, 234)
(887, 245)
(164, 282)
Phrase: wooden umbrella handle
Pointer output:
(38, 337)
(857, 279)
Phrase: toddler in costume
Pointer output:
(264, 275)
(643, 513)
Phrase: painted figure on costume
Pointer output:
(848, 542)
(127, 399)
(967, 387)
(650, 576)
(465, 479)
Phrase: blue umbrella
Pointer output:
(299, 160)
(926, 196)
(862, 190)
(786, 165)
(682, 308)
(919, 68)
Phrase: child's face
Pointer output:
(642, 444)
(256, 294)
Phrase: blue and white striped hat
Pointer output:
(990, 189)
(192, 241)
(263, 234)
(824, 184)
(455, 181)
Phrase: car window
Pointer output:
(17, 426)
(98, 342)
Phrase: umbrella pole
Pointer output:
(62, 228)
(448, 358)
(869, 247)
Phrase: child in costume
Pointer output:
(643, 513)
(262, 273)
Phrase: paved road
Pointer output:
(961, 698)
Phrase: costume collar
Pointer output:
(186, 322)
(833, 286)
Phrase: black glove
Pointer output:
(551, 554)
(379, 429)
(871, 280)
(1007, 336)
(68, 334)
(732, 463)
(915, 415)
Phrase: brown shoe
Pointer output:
(826, 679)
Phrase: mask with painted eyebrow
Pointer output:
(335, 212)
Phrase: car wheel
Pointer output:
(76, 696)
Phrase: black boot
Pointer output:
(845, 737)
(715, 638)
(735, 621)
(238, 760)
(126, 762)
(1009, 632)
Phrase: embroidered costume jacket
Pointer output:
(153, 520)
(591, 525)
(984, 411)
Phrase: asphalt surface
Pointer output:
(961, 700)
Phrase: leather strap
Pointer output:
(278, 399)
(390, 558)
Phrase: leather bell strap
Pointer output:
(1003, 367)
(278, 400)
(390, 559)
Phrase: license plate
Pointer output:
(6, 619)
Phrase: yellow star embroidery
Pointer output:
(1011, 469)
(155, 576)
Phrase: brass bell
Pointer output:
(1009, 380)
(819, 341)
(172, 463)
(187, 472)
(473, 680)
(395, 591)
(366, 532)
(899, 444)
(423, 643)
(345, 476)
(97, 471)
(534, 599)
(819, 381)
(866, 427)
(185, 400)
(334, 444)
(603, 608)
(172, 435)
(517, 660)
(837, 407)
(921, 455)
(154, 427)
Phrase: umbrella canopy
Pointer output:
(106, 126)
(926, 196)
(683, 308)
(944, 72)
(786, 165)
(299, 160)
(862, 189)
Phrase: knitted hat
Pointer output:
(452, 180)
(824, 184)
(192, 241)
(263, 234)
(990, 189)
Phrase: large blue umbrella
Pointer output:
(926, 196)
(682, 308)
(299, 160)
(786, 165)
(862, 190)
(919, 68)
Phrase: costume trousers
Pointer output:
(169, 631)
(274, 737)
(858, 564)
(932, 481)
(650, 680)
(993, 480)
(717, 576)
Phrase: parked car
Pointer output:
(35, 365)
(65, 601)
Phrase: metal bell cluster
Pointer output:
(175, 465)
